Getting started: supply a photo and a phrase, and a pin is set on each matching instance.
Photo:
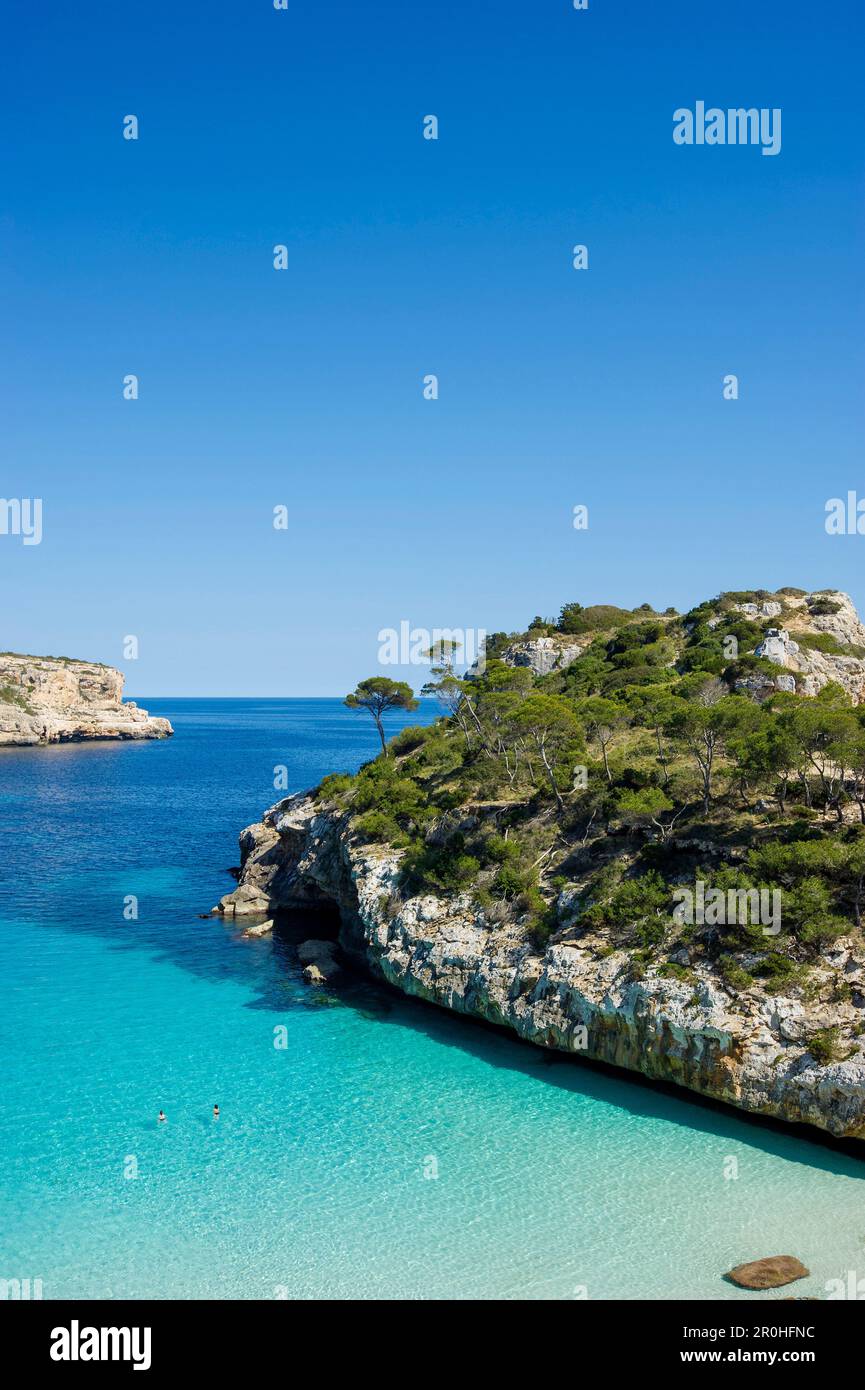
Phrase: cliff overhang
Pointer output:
(577, 996)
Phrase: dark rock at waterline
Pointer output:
(769, 1273)
(319, 961)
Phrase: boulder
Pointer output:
(261, 929)
(245, 901)
(769, 609)
(319, 960)
(770, 1273)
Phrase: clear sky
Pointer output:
(407, 256)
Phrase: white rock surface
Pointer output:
(54, 700)
(815, 669)
(541, 655)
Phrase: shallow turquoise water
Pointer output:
(552, 1178)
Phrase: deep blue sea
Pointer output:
(389, 1150)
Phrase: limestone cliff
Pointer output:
(748, 1048)
(541, 655)
(57, 700)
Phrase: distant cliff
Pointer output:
(46, 699)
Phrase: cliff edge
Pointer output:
(746, 1047)
(45, 699)
(633, 835)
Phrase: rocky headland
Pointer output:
(469, 880)
(46, 699)
(749, 1049)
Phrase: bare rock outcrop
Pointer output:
(47, 699)
(540, 654)
(830, 613)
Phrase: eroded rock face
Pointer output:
(770, 609)
(778, 646)
(541, 655)
(51, 700)
(814, 669)
(748, 1049)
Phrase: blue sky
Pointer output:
(406, 257)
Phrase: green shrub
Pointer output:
(334, 787)
(444, 869)
(379, 826)
(532, 900)
(633, 900)
(410, 738)
(820, 642)
(777, 968)
(825, 1046)
(540, 930)
(498, 850)
(510, 880)
(672, 970)
(575, 619)
(734, 975)
(10, 696)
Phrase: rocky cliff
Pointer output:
(58, 700)
(746, 1047)
(541, 655)
(830, 614)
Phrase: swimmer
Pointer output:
(216, 1112)
(161, 1119)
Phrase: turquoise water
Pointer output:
(550, 1177)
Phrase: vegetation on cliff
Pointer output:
(583, 800)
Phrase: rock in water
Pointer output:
(45, 699)
(769, 1273)
(262, 929)
(319, 960)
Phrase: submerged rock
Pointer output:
(319, 961)
(770, 1273)
(262, 929)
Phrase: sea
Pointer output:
(368, 1145)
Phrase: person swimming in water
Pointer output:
(216, 1112)
(161, 1119)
